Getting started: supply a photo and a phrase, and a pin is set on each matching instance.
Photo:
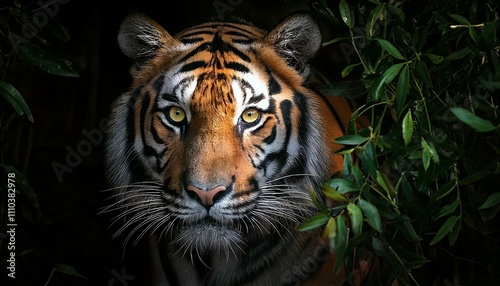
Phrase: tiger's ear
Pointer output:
(297, 38)
(141, 38)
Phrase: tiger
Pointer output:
(215, 149)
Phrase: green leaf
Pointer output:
(448, 209)
(495, 61)
(347, 167)
(458, 54)
(358, 176)
(348, 69)
(387, 77)
(12, 95)
(428, 153)
(426, 157)
(384, 182)
(314, 222)
(347, 89)
(455, 231)
(368, 159)
(469, 118)
(402, 89)
(342, 185)
(394, 10)
(356, 217)
(375, 15)
(407, 128)
(378, 247)
(371, 214)
(473, 34)
(423, 73)
(473, 178)
(460, 19)
(333, 194)
(68, 269)
(351, 139)
(346, 14)
(407, 228)
(488, 38)
(330, 233)
(445, 229)
(390, 48)
(491, 201)
(444, 190)
(46, 61)
(435, 59)
(341, 241)
(335, 40)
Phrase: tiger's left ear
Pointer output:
(142, 39)
(297, 39)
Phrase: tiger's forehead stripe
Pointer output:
(238, 30)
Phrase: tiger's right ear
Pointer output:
(141, 38)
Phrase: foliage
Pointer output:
(426, 168)
(26, 33)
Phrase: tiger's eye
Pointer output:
(176, 114)
(250, 115)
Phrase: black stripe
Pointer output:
(256, 99)
(218, 45)
(238, 53)
(170, 97)
(197, 33)
(273, 86)
(182, 85)
(243, 41)
(236, 33)
(230, 25)
(192, 66)
(158, 84)
(270, 139)
(333, 110)
(135, 167)
(146, 100)
(263, 125)
(281, 156)
(200, 48)
(191, 41)
(304, 130)
(237, 66)
(154, 132)
(244, 86)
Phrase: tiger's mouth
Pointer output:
(209, 236)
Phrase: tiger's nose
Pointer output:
(207, 197)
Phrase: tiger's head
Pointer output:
(217, 142)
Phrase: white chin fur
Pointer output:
(204, 238)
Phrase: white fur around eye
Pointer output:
(243, 95)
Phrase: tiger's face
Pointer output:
(217, 142)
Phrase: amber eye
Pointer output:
(250, 115)
(176, 114)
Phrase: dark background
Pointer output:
(58, 221)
